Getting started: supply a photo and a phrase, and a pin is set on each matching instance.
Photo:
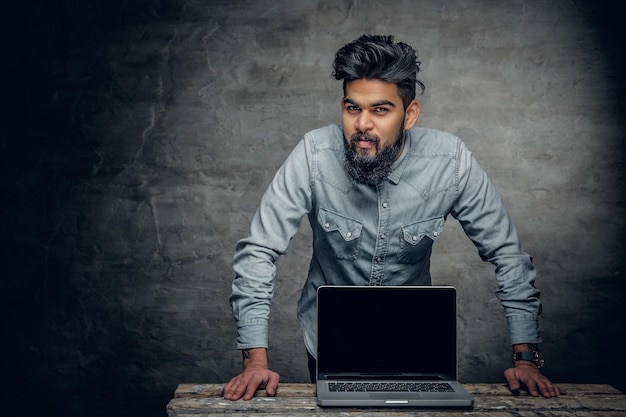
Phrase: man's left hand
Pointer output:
(528, 375)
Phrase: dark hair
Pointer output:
(378, 57)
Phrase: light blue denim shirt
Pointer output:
(377, 235)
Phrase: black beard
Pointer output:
(370, 171)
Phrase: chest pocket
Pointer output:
(342, 234)
(417, 240)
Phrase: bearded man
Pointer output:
(377, 191)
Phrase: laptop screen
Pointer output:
(409, 330)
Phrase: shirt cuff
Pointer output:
(524, 329)
(252, 334)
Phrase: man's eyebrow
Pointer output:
(347, 100)
(383, 103)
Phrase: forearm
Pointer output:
(254, 358)
(522, 347)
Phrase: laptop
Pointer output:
(388, 346)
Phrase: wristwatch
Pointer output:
(533, 355)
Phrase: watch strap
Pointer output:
(533, 356)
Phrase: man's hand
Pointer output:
(527, 374)
(255, 375)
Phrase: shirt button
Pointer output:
(327, 225)
(378, 259)
(349, 234)
(435, 234)
(414, 238)
(382, 236)
(385, 205)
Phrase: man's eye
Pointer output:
(352, 109)
(381, 110)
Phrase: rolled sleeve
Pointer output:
(275, 222)
(486, 221)
(252, 334)
(523, 329)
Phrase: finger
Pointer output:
(550, 390)
(251, 387)
(229, 390)
(543, 386)
(511, 380)
(545, 389)
(272, 385)
(531, 386)
(234, 389)
(249, 393)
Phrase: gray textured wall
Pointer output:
(138, 137)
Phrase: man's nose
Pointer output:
(364, 122)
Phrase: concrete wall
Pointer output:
(137, 138)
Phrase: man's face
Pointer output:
(374, 122)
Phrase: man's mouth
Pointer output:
(364, 141)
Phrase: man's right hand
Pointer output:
(255, 375)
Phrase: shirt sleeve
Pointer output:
(274, 224)
(486, 221)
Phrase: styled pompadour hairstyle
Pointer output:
(378, 57)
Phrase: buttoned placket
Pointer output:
(382, 233)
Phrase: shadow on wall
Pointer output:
(44, 154)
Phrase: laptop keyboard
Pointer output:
(390, 387)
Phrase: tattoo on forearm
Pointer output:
(245, 354)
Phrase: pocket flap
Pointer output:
(349, 229)
(433, 228)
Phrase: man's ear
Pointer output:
(411, 114)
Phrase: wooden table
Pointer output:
(196, 400)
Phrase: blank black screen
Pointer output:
(387, 329)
